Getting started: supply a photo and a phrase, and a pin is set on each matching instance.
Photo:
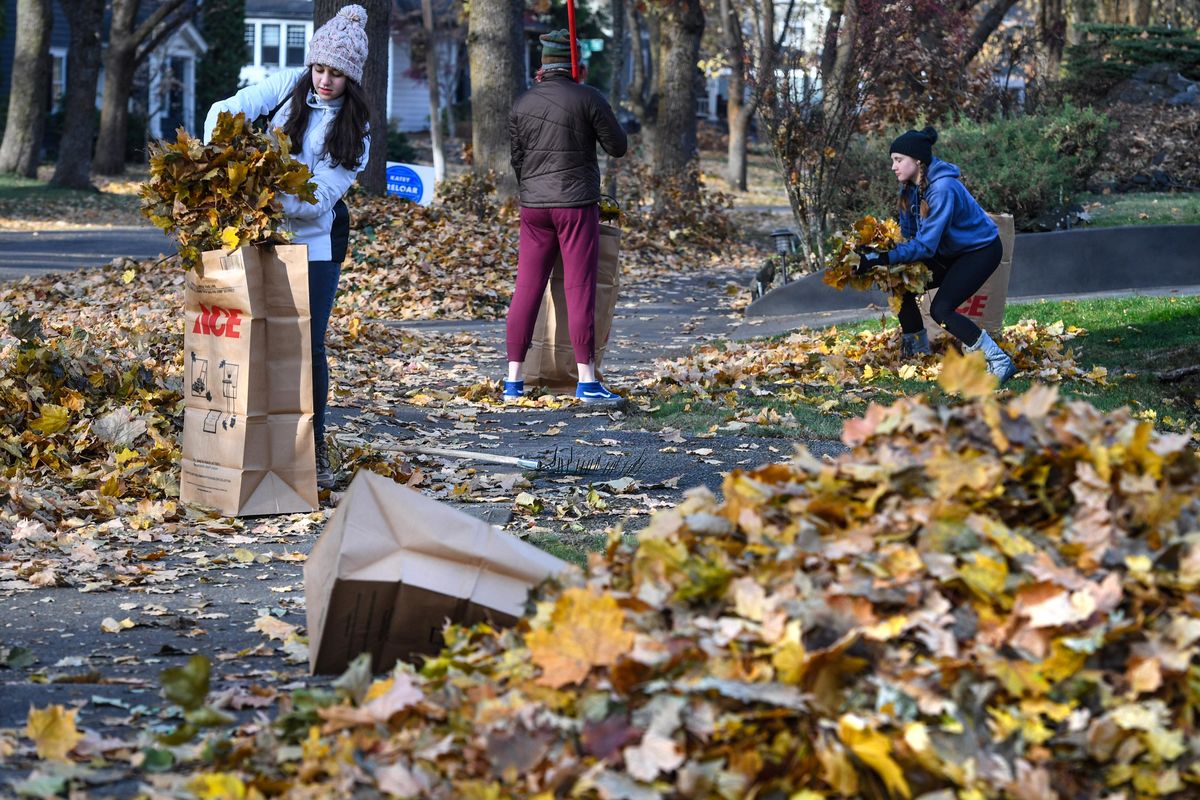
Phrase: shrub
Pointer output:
(1025, 166)
(1108, 54)
(399, 148)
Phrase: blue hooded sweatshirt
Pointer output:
(956, 224)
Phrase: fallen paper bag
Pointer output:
(392, 566)
(986, 307)
(550, 361)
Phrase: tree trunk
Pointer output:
(735, 48)
(829, 50)
(844, 56)
(1141, 13)
(496, 75)
(680, 28)
(1052, 31)
(128, 47)
(373, 179)
(616, 89)
(27, 108)
(645, 54)
(433, 76)
(73, 169)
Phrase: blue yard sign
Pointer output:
(410, 181)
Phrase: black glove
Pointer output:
(870, 260)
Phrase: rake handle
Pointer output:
(473, 455)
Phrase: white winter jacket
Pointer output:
(310, 224)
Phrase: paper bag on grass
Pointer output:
(986, 307)
(550, 361)
(392, 566)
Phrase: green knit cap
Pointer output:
(556, 46)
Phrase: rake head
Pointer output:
(601, 466)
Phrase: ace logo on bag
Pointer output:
(986, 307)
(248, 431)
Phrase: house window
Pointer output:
(249, 44)
(58, 68)
(295, 45)
(270, 45)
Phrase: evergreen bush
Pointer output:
(399, 148)
(1108, 54)
(1025, 166)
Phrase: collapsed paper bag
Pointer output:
(393, 566)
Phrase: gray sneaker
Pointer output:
(325, 479)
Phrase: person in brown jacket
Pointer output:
(554, 128)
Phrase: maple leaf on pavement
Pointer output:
(53, 731)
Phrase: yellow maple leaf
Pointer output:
(273, 627)
(966, 375)
(217, 786)
(874, 749)
(53, 731)
(229, 238)
(52, 419)
(585, 631)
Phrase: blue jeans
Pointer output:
(322, 288)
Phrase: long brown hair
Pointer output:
(344, 142)
(922, 185)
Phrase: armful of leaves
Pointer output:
(223, 195)
(869, 233)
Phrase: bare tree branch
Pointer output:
(986, 27)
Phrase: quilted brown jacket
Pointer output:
(553, 130)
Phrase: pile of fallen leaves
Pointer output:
(91, 367)
(223, 195)
(833, 358)
(869, 233)
(667, 214)
(991, 600)
(1151, 141)
(458, 257)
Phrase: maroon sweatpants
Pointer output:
(545, 232)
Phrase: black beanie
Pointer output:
(916, 144)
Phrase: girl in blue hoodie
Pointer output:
(944, 227)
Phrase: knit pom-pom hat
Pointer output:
(341, 43)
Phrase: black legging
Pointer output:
(956, 278)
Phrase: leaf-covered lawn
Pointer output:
(1110, 352)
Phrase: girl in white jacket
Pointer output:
(323, 109)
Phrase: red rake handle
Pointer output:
(574, 48)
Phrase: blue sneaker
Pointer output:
(594, 392)
(513, 391)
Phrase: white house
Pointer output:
(277, 34)
(171, 93)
